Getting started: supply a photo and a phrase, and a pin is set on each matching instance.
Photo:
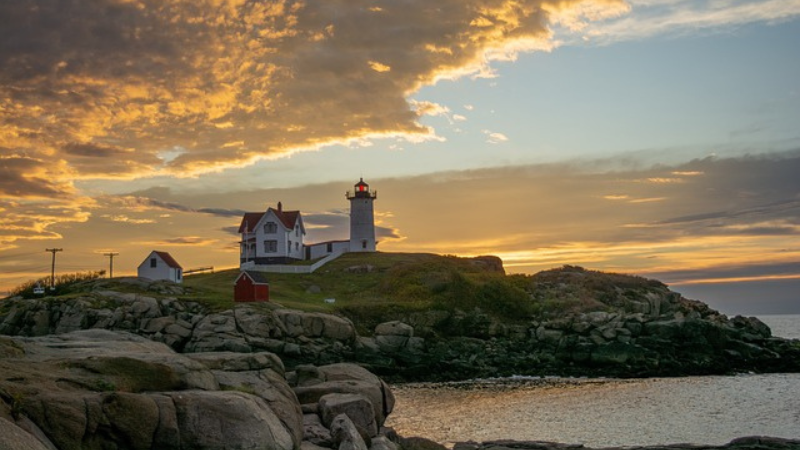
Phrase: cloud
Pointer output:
(539, 216)
(195, 241)
(23, 177)
(125, 219)
(110, 89)
(135, 202)
(494, 137)
(656, 17)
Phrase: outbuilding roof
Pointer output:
(168, 259)
(256, 277)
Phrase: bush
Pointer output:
(62, 283)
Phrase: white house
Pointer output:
(161, 266)
(276, 236)
(272, 237)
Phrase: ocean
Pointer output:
(607, 412)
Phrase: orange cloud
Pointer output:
(108, 89)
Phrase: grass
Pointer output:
(373, 287)
(360, 283)
(370, 288)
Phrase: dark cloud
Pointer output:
(22, 177)
(332, 218)
(231, 230)
(222, 212)
(53, 39)
(173, 206)
(93, 150)
(188, 240)
(386, 233)
(733, 272)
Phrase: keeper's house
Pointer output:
(272, 237)
(277, 236)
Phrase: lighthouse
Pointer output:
(362, 218)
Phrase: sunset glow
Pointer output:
(655, 138)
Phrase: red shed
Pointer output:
(251, 286)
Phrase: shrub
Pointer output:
(62, 282)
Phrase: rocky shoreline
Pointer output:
(100, 389)
(145, 370)
(657, 333)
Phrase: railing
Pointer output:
(289, 268)
(361, 194)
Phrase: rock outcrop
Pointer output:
(639, 329)
(98, 389)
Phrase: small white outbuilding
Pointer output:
(161, 266)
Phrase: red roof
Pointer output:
(168, 259)
(250, 220)
(289, 218)
(255, 277)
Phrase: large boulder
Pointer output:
(355, 406)
(313, 383)
(97, 389)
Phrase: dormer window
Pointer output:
(270, 227)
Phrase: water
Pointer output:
(785, 325)
(607, 412)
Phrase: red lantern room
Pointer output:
(361, 190)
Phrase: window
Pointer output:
(270, 227)
(270, 246)
(297, 231)
(363, 244)
(153, 262)
(329, 247)
(289, 248)
(179, 274)
(297, 246)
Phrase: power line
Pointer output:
(17, 255)
(29, 269)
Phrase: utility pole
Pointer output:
(53, 266)
(111, 256)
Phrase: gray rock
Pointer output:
(157, 324)
(390, 343)
(13, 437)
(314, 431)
(273, 389)
(357, 407)
(238, 362)
(345, 434)
(231, 420)
(345, 379)
(307, 445)
(394, 328)
(383, 443)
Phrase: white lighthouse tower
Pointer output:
(362, 218)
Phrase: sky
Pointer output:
(653, 137)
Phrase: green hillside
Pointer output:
(373, 287)
(409, 280)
